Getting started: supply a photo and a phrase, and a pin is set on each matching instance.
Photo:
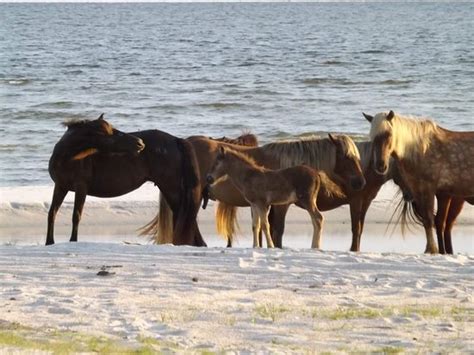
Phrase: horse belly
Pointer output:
(281, 197)
(456, 178)
(226, 192)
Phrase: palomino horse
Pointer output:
(93, 158)
(431, 161)
(339, 158)
(263, 187)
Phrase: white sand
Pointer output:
(242, 299)
(390, 297)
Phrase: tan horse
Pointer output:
(262, 187)
(431, 161)
(339, 158)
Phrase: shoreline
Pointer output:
(23, 214)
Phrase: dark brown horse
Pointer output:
(432, 161)
(93, 158)
(161, 227)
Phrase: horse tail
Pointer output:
(407, 214)
(190, 197)
(226, 221)
(160, 228)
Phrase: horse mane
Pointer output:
(245, 159)
(75, 122)
(245, 139)
(365, 150)
(316, 152)
(412, 136)
(329, 187)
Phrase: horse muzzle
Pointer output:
(358, 183)
(381, 168)
(209, 179)
(407, 196)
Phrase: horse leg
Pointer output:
(198, 239)
(266, 226)
(440, 220)
(455, 209)
(79, 200)
(426, 206)
(317, 219)
(260, 234)
(58, 197)
(276, 218)
(363, 213)
(356, 211)
(255, 225)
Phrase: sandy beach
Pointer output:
(116, 292)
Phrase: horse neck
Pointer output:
(411, 139)
(332, 186)
(237, 168)
(319, 154)
(257, 154)
(365, 151)
(71, 144)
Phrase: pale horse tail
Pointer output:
(160, 228)
(226, 222)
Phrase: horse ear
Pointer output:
(333, 139)
(101, 117)
(390, 115)
(368, 117)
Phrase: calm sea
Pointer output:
(217, 69)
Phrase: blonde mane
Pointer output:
(411, 136)
(349, 146)
(319, 153)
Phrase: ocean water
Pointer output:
(278, 70)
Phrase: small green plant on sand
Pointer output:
(271, 311)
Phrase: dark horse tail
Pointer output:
(179, 225)
(186, 231)
(408, 213)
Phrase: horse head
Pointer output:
(218, 168)
(348, 164)
(381, 135)
(99, 136)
